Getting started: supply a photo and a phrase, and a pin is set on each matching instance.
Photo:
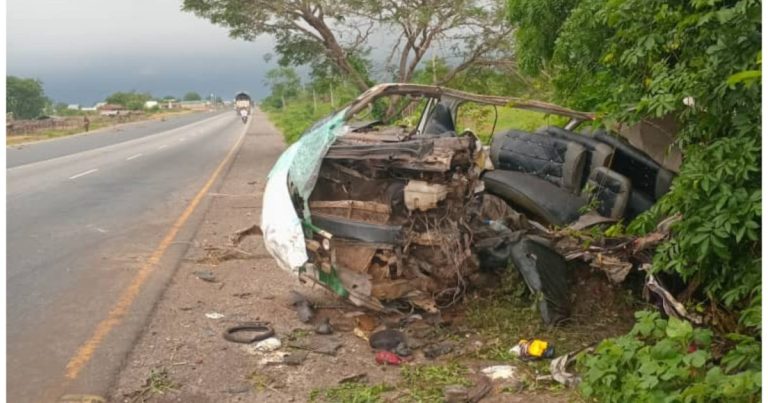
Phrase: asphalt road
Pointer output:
(83, 214)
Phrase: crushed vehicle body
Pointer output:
(393, 217)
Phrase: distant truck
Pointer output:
(243, 102)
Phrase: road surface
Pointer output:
(84, 216)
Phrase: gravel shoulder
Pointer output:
(187, 347)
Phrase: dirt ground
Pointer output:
(182, 356)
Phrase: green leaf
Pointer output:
(679, 329)
(744, 76)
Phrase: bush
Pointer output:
(671, 361)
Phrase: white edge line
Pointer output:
(88, 172)
(115, 145)
(162, 146)
(134, 156)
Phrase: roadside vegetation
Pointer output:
(694, 62)
(32, 116)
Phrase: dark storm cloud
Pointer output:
(83, 50)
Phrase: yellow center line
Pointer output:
(124, 303)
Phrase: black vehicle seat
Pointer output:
(542, 199)
(557, 161)
(649, 179)
(599, 154)
(440, 122)
(611, 190)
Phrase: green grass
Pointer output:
(353, 392)
(425, 383)
(299, 114)
(480, 119)
(297, 117)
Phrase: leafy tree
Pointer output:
(311, 32)
(168, 98)
(131, 100)
(192, 96)
(284, 83)
(696, 61)
(538, 26)
(24, 97)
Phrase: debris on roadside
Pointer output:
(434, 351)
(558, 368)
(455, 394)
(533, 349)
(303, 307)
(320, 344)
(388, 339)
(499, 372)
(205, 275)
(268, 345)
(238, 236)
(388, 358)
(324, 327)
(258, 331)
(214, 315)
(296, 357)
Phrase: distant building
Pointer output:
(150, 104)
(88, 109)
(73, 107)
(111, 110)
(195, 105)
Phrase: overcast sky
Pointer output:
(84, 50)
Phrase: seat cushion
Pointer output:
(646, 175)
(545, 272)
(560, 162)
(598, 154)
(544, 200)
(611, 190)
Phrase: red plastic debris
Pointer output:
(385, 357)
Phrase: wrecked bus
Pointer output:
(393, 216)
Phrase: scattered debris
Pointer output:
(356, 378)
(214, 315)
(480, 390)
(205, 275)
(499, 372)
(324, 327)
(296, 357)
(257, 330)
(385, 357)
(241, 234)
(388, 339)
(268, 345)
(455, 394)
(303, 307)
(533, 349)
(273, 358)
(559, 370)
(436, 350)
(318, 344)
(215, 255)
(671, 306)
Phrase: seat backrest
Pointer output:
(558, 161)
(598, 154)
(611, 190)
(647, 176)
